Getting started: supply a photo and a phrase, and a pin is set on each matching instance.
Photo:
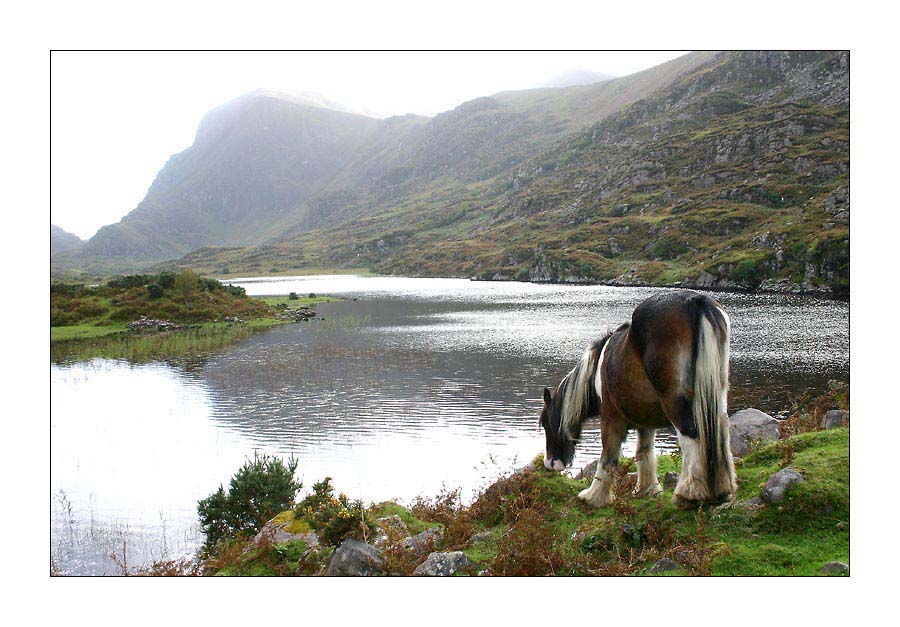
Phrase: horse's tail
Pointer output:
(709, 372)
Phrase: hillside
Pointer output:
(269, 166)
(253, 161)
(735, 175)
(62, 241)
(712, 170)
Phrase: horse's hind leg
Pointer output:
(613, 428)
(648, 482)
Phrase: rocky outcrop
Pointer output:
(151, 325)
(835, 568)
(355, 558)
(749, 427)
(663, 566)
(443, 564)
(835, 418)
(778, 485)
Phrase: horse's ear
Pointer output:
(547, 397)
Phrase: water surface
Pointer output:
(404, 387)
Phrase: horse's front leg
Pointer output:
(645, 458)
(613, 428)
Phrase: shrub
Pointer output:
(293, 296)
(334, 518)
(260, 489)
(155, 290)
(312, 294)
(166, 280)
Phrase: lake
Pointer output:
(404, 388)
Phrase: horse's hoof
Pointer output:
(651, 490)
(682, 503)
(594, 499)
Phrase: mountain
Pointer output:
(713, 169)
(62, 241)
(735, 174)
(254, 161)
(577, 77)
(270, 165)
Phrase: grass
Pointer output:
(85, 331)
(196, 341)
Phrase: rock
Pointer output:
(276, 532)
(835, 568)
(481, 536)
(422, 542)
(664, 565)
(749, 426)
(390, 528)
(443, 564)
(588, 471)
(835, 418)
(355, 558)
(151, 325)
(670, 480)
(779, 483)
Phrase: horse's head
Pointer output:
(560, 449)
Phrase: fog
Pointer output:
(116, 117)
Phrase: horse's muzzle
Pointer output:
(553, 464)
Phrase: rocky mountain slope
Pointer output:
(714, 169)
(736, 175)
(62, 241)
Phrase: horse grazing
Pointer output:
(669, 366)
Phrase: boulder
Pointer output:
(664, 565)
(749, 426)
(390, 528)
(355, 558)
(670, 480)
(481, 536)
(423, 542)
(443, 564)
(779, 483)
(835, 418)
(835, 568)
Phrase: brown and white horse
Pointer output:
(669, 366)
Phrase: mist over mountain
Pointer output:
(577, 77)
(717, 169)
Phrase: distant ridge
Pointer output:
(577, 77)
(62, 241)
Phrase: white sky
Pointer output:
(116, 117)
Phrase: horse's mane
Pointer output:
(578, 390)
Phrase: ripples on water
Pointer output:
(417, 384)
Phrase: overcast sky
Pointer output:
(117, 117)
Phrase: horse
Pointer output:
(668, 367)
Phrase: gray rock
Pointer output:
(749, 426)
(664, 565)
(443, 564)
(835, 418)
(390, 528)
(588, 471)
(835, 568)
(355, 558)
(779, 483)
(423, 542)
(749, 506)
(670, 480)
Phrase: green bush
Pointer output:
(155, 290)
(334, 518)
(260, 489)
(293, 296)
